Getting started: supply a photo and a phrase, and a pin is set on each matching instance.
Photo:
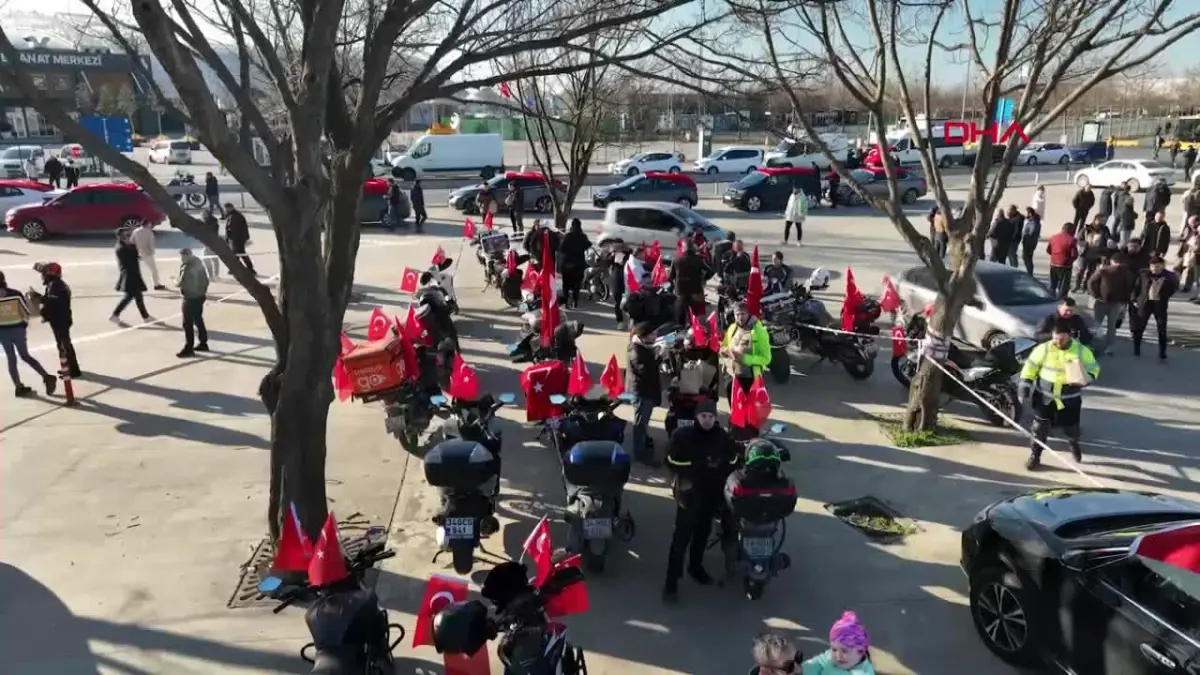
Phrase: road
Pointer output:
(126, 519)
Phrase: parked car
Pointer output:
(1044, 153)
(807, 152)
(1008, 302)
(732, 159)
(646, 161)
(910, 184)
(1136, 173)
(16, 192)
(171, 152)
(971, 153)
(15, 159)
(653, 186)
(535, 194)
(1088, 152)
(1053, 584)
(95, 207)
(647, 222)
(373, 208)
(769, 188)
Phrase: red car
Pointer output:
(96, 207)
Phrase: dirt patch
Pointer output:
(874, 518)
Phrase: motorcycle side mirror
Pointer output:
(506, 399)
(625, 397)
(445, 264)
(438, 399)
(777, 428)
(558, 399)
(425, 278)
(270, 585)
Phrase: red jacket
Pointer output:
(1062, 249)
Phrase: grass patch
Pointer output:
(892, 425)
(873, 518)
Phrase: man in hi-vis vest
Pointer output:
(1054, 377)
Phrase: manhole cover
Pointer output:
(874, 518)
(247, 595)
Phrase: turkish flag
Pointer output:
(654, 253)
(550, 315)
(468, 229)
(659, 276)
(510, 262)
(581, 379)
(414, 328)
(574, 598)
(407, 352)
(341, 380)
(529, 282)
(681, 246)
(759, 410)
(611, 378)
(754, 258)
(539, 382)
(851, 302)
(347, 344)
(410, 280)
(294, 549)
(890, 301)
(488, 221)
(439, 256)
(739, 413)
(377, 327)
(714, 335)
(899, 342)
(754, 288)
(698, 337)
(632, 283)
(440, 593)
(538, 548)
(328, 564)
(464, 383)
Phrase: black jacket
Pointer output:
(1112, 284)
(211, 188)
(1189, 157)
(53, 167)
(1084, 200)
(572, 249)
(735, 263)
(780, 276)
(56, 303)
(1138, 261)
(1079, 329)
(1125, 211)
(689, 273)
(1106, 202)
(641, 377)
(704, 458)
(393, 196)
(1157, 199)
(130, 278)
(719, 252)
(1145, 279)
(417, 197)
(535, 239)
(1003, 232)
(1156, 238)
(236, 228)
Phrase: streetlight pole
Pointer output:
(966, 86)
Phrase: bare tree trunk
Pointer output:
(924, 395)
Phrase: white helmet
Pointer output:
(818, 279)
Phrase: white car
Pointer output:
(647, 222)
(733, 159)
(18, 161)
(171, 152)
(1138, 174)
(14, 193)
(646, 161)
(1044, 153)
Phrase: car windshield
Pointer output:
(694, 219)
(1033, 147)
(751, 179)
(1150, 164)
(631, 180)
(180, 145)
(1015, 289)
(496, 181)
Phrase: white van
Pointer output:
(731, 159)
(806, 152)
(947, 151)
(451, 153)
(171, 152)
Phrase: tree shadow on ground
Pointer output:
(205, 402)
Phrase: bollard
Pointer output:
(64, 374)
(1037, 178)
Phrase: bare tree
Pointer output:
(1033, 51)
(343, 74)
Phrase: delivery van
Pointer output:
(804, 151)
(481, 154)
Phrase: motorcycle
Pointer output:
(778, 317)
(588, 438)
(528, 346)
(194, 200)
(465, 467)
(438, 278)
(490, 250)
(349, 629)
(856, 353)
(655, 304)
(988, 374)
(596, 276)
(691, 373)
(532, 644)
(407, 412)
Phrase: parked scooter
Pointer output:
(439, 278)
(532, 644)
(595, 278)
(350, 630)
(491, 247)
(466, 468)
(856, 354)
(692, 374)
(193, 200)
(588, 438)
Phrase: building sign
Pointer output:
(60, 59)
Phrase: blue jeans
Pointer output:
(13, 340)
(643, 408)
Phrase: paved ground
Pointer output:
(125, 520)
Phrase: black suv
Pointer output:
(535, 194)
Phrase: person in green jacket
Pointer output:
(747, 347)
(193, 288)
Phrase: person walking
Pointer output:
(515, 201)
(1105, 205)
(1038, 202)
(130, 281)
(1111, 288)
(237, 233)
(616, 281)
(1151, 294)
(212, 192)
(1125, 214)
(54, 169)
(71, 173)
(14, 329)
(143, 238)
(643, 380)
(939, 232)
(835, 184)
(1095, 245)
(1002, 235)
(211, 263)
(1189, 161)
(1173, 152)
(55, 302)
(1053, 380)
(1158, 144)
(1063, 251)
(1017, 222)
(391, 219)
(1110, 149)
(573, 254)
(1157, 235)
(1082, 202)
(193, 291)
(416, 197)
(1031, 235)
(794, 214)
(1156, 200)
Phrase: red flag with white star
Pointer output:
(414, 328)
(529, 282)
(739, 414)
(294, 549)
(539, 382)
(539, 549)
(659, 276)
(378, 325)
(611, 378)
(489, 221)
(850, 303)
(759, 409)
(550, 316)
(464, 383)
(714, 335)
(328, 564)
(410, 281)
(439, 257)
(581, 380)
(468, 229)
(889, 301)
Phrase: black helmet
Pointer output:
(763, 455)
(461, 628)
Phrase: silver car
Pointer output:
(909, 184)
(1008, 302)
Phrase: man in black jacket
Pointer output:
(721, 251)
(777, 277)
(237, 233)
(688, 273)
(535, 240)
(1125, 214)
(54, 169)
(1156, 236)
(55, 300)
(212, 191)
(643, 381)
(1083, 202)
(416, 196)
(1156, 200)
(393, 201)
(1065, 312)
(1151, 295)
(700, 457)
(1105, 210)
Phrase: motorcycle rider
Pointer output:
(688, 273)
(737, 261)
(535, 239)
(700, 457)
(746, 347)
(1054, 377)
(777, 275)
(721, 251)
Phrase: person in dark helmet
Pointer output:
(55, 301)
(721, 251)
(700, 458)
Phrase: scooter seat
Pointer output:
(332, 663)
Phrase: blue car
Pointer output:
(1088, 153)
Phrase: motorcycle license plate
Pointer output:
(597, 528)
(459, 528)
(685, 423)
(758, 547)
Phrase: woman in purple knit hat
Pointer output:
(848, 652)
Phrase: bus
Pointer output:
(1187, 130)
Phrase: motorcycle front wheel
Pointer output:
(509, 300)
(599, 291)
(196, 201)
(860, 368)
(904, 369)
(1004, 398)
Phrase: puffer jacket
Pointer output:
(797, 208)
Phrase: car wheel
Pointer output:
(34, 230)
(712, 171)
(994, 338)
(408, 174)
(1003, 610)
(1134, 185)
(751, 170)
(685, 202)
(1032, 161)
(1064, 160)
(544, 205)
(910, 196)
(673, 169)
(753, 204)
(632, 171)
(944, 162)
(1082, 181)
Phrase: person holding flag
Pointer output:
(644, 382)
(746, 348)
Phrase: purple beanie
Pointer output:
(849, 633)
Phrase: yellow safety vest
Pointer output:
(1048, 364)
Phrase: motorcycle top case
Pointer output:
(494, 244)
(760, 499)
(375, 366)
(459, 465)
(596, 464)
